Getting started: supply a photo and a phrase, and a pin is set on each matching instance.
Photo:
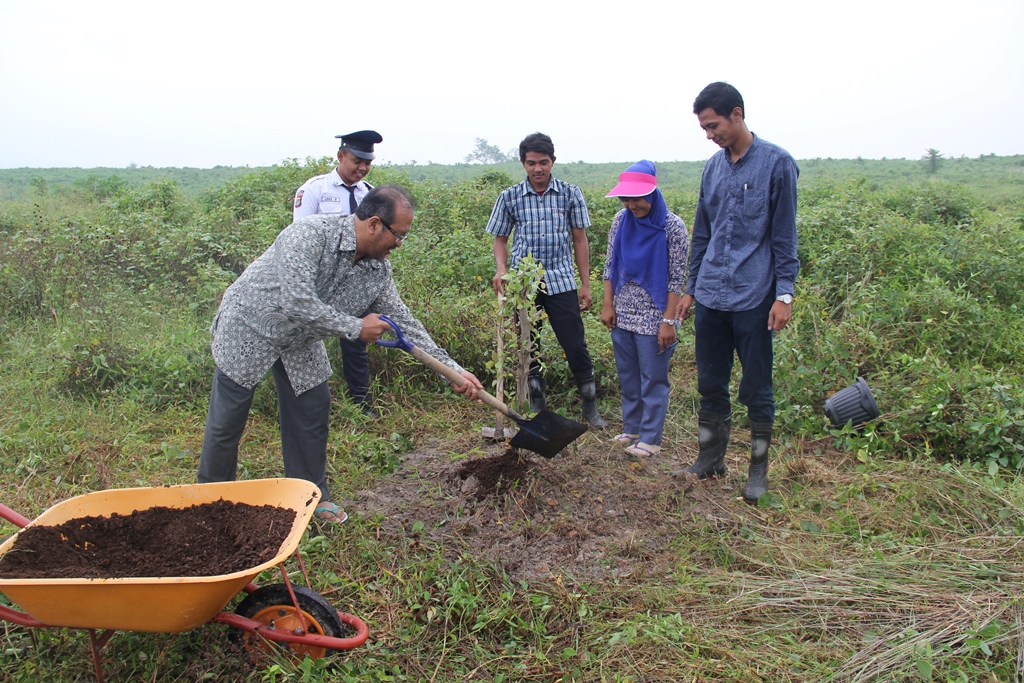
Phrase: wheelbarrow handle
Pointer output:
(13, 517)
(400, 342)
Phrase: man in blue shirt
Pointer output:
(743, 263)
(548, 218)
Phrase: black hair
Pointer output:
(384, 201)
(721, 97)
(536, 142)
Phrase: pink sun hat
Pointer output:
(633, 184)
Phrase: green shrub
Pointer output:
(935, 204)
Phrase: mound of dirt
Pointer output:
(592, 511)
(202, 540)
(491, 476)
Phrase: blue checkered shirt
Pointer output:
(542, 225)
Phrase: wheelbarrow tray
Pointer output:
(159, 604)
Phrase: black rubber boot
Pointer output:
(538, 393)
(713, 431)
(365, 404)
(588, 392)
(757, 476)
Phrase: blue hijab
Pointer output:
(640, 252)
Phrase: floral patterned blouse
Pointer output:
(634, 309)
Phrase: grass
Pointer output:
(887, 570)
(879, 556)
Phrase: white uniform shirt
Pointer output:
(326, 194)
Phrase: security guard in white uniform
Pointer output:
(339, 192)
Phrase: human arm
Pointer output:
(779, 316)
(685, 306)
(678, 254)
(469, 387)
(608, 307)
(579, 221)
(667, 335)
(699, 239)
(390, 303)
(500, 224)
(500, 251)
(678, 251)
(608, 317)
(783, 238)
(581, 250)
(306, 202)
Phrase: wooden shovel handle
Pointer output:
(458, 380)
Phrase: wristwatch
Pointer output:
(785, 298)
(666, 321)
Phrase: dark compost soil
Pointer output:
(201, 540)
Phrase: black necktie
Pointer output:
(351, 197)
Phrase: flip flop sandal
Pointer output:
(625, 439)
(643, 450)
(329, 512)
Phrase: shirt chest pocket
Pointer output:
(333, 204)
(548, 226)
(755, 203)
(559, 222)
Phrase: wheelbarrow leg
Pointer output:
(97, 642)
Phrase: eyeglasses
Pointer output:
(399, 238)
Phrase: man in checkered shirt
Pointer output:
(548, 218)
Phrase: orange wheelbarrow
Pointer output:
(274, 618)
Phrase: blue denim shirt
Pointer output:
(743, 245)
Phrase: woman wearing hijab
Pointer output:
(644, 276)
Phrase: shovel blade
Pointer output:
(546, 433)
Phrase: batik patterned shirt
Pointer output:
(634, 308)
(542, 225)
(307, 286)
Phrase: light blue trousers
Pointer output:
(643, 375)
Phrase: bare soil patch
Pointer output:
(202, 540)
(591, 512)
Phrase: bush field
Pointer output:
(107, 290)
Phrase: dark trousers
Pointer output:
(566, 322)
(720, 334)
(304, 422)
(355, 368)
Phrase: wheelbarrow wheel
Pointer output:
(272, 605)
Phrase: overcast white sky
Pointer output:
(222, 82)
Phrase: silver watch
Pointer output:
(785, 298)
(672, 322)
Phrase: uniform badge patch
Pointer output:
(298, 198)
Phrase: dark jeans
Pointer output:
(566, 322)
(304, 422)
(720, 334)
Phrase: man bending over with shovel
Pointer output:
(315, 281)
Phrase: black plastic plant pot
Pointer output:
(854, 405)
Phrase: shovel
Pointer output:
(546, 433)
